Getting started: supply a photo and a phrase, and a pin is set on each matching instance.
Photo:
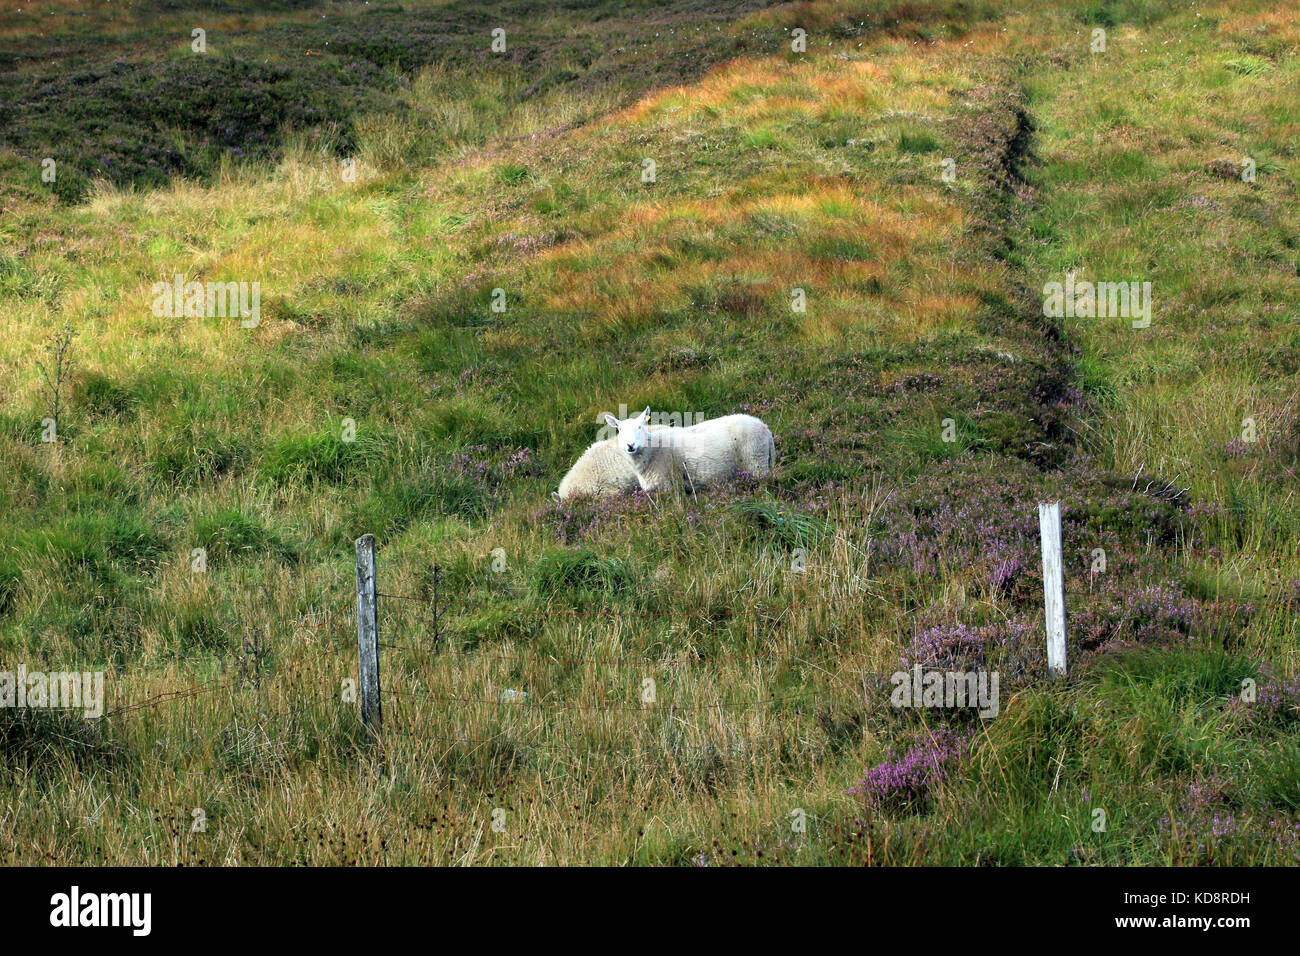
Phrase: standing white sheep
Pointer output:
(697, 456)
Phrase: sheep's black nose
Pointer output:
(631, 448)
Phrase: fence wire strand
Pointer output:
(438, 607)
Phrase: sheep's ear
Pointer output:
(610, 420)
(645, 416)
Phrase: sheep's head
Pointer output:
(633, 436)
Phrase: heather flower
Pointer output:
(1276, 703)
(949, 647)
(1160, 613)
(1210, 828)
(492, 469)
(1234, 449)
(905, 781)
(1006, 572)
(577, 519)
(1006, 646)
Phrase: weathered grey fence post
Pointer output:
(1049, 527)
(368, 634)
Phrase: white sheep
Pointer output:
(602, 470)
(697, 456)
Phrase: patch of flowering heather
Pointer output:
(1160, 614)
(493, 468)
(1007, 646)
(577, 519)
(979, 518)
(1276, 703)
(958, 513)
(1005, 574)
(525, 244)
(951, 647)
(740, 487)
(1203, 821)
(1093, 625)
(757, 407)
(1116, 617)
(1236, 448)
(1210, 829)
(920, 382)
(1071, 395)
(816, 444)
(1202, 512)
(478, 376)
(1291, 593)
(904, 781)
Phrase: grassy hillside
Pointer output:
(799, 254)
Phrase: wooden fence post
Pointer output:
(1049, 527)
(368, 634)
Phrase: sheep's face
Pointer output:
(633, 436)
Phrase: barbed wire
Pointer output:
(739, 612)
(458, 654)
(531, 703)
(635, 612)
(738, 746)
(439, 607)
(211, 686)
(172, 695)
(548, 658)
(1230, 604)
(1079, 547)
(1219, 552)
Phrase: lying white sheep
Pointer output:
(602, 470)
(698, 456)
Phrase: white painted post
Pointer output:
(1049, 527)
(368, 634)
